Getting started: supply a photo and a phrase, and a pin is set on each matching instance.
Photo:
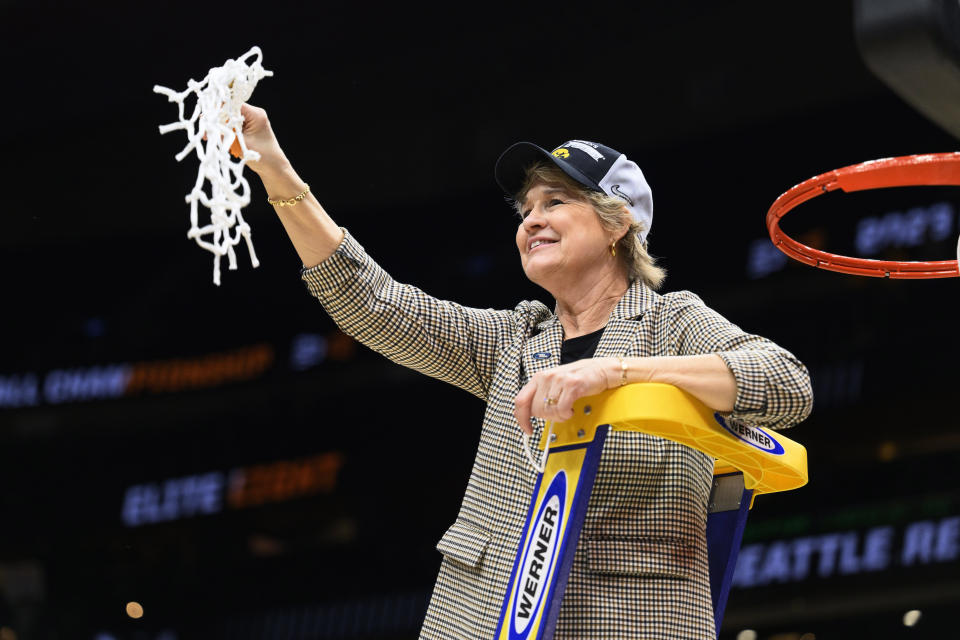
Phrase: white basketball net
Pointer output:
(216, 117)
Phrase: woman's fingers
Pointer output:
(254, 119)
(258, 136)
(538, 399)
(550, 394)
(558, 399)
(549, 399)
(522, 406)
(564, 406)
(542, 397)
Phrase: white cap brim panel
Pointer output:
(625, 180)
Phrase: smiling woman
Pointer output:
(585, 211)
(610, 212)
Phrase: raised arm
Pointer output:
(439, 338)
(313, 232)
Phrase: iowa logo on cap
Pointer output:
(560, 152)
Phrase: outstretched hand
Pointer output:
(550, 394)
(258, 136)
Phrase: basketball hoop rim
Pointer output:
(903, 171)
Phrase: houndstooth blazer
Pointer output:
(640, 570)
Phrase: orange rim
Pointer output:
(903, 171)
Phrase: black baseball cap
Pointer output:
(595, 166)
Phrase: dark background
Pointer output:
(395, 115)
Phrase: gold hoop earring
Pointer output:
(613, 249)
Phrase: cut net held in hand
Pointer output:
(213, 127)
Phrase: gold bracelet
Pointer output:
(292, 201)
(623, 371)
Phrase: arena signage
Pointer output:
(911, 228)
(845, 553)
(213, 492)
(61, 386)
(125, 379)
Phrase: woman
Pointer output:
(641, 565)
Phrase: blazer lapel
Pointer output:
(620, 334)
(542, 351)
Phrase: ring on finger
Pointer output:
(549, 401)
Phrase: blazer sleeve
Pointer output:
(442, 339)
(773, 386)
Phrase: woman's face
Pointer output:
(560, 238)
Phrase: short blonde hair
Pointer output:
(613, 215)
